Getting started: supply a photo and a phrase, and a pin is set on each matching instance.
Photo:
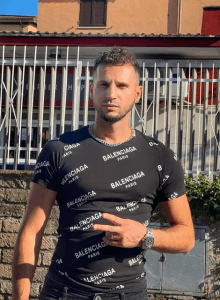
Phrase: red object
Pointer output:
(154, 41)
(200, 87)
(211, 20)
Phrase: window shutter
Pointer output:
(211, 20)
(86, 13)
(99, 13)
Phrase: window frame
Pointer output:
(92, 24)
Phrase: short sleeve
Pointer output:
(172, 183)
(46, 171)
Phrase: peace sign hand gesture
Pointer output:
(125, 233)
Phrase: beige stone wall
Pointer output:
(10, 27)
(17, 27)
(14, 186)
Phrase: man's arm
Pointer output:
(40, 202)
(179, 237)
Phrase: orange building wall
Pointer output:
(126, 16)
(192, 13)
(122, 16)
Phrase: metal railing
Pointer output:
(43, 95)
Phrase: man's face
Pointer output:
(114, 91)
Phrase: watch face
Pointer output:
(148, 241)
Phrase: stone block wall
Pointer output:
(14, 187)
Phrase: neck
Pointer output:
(112, 133)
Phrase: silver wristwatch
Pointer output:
(148, 240)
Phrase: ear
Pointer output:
(139, 90)
(91, 90)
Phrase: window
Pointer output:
(93, 13)
(211, 20)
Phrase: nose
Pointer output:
(111, 92)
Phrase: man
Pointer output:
(107, 179)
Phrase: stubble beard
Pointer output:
(113, 119)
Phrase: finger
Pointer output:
(113, 236)
(112, 218)
(112, 243)
(107, 228)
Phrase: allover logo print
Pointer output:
(82, 199)
(128, 181)
(91, 251)
(87, 222)
(101, 277)
(121, 154)
(73, 174)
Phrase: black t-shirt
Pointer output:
(91, 178)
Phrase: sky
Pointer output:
(19, 7)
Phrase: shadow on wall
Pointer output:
(172, 18)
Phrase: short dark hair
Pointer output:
(117, 56)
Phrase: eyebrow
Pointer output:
(119, 82)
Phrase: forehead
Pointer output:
(124, 72)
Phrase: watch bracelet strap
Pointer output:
(148, 234)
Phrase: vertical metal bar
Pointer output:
(180, 122)
(30, 109)
(18, 113)
(52, 96)
(142, 96)
(168, 126)
(63, 100)
(41, 108)
(217, 117)
(132, 117)
(78, 93)
(186, 118)
(154, 96)
(7, 93)
(86, 96)
(177, 99)
(205, 116)
(210, 128)
(2, 78)
(21, 102)
(192, 119)
(157, 103)
(76, 98)
(29, 116)
(199, 133)
(165, 106)
(73, 118)
(11, 103)
(145, 99)
(43, 74)
(63, 95)
(52, 101)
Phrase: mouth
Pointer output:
(110, 105)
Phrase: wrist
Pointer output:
(145, 231)
(147, 241)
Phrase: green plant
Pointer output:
(204, 197)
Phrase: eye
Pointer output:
(104, 84)
(121, 85)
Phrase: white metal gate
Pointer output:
(43, 94)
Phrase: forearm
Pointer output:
(24, 263)
(175, 239)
